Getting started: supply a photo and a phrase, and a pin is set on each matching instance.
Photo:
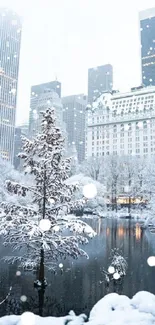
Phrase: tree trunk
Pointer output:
(44, 194)
(41, 300)
(41, 268)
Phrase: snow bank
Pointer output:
(120, 310)
(110, 310)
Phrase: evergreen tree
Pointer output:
(42, 231)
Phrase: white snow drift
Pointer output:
(110, 310)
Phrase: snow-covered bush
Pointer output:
(117, 268)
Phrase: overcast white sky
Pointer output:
(63, 38)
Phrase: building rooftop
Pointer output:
(148, 13)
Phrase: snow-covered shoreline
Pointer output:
(113, 309)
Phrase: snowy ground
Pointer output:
(110, 310)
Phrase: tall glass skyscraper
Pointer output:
(147, 30)
(10, 40)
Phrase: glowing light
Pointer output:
(23, 298)
(61, 265)
(151, 261)
(45, 224)
(27, 318)
(52, 201)
(116, 276)
(111, 269)
(89, 191)
(18, 273)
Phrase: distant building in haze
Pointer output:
(147, 30)
(74, 111)
(44, 96)
(100, 79)
(10, 41)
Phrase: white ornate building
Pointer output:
(122, 124)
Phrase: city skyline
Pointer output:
(67, 50)
(10, 41)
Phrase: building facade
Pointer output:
(147, 31)
(10, 41)
(22, 130)
(122, 124)
(42, 97)
(100, 79)
(74, 111)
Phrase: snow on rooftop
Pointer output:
(148, 13)
(113, 309)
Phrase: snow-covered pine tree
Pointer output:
(39, 231)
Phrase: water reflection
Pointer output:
(82, 282)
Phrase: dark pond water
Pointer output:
(82, 282)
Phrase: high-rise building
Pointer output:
(122, 124)
(100, 79)
(147, 30)
(10, 41)
(74, 110)
(20, 131)
(44, 96)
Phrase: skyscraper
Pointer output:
(100, 79)
(44, 96)
(147, 30)
(10, 40)
(74, 111)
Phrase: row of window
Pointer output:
(130, 152)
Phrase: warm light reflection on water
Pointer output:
(138, 232)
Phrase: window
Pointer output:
(115, 128)
(145, 144)
(114, 147)
(137, 138)
(129, 152)
(129, 139)
(137, 150)
(137, 145)
(129, 145)
(122, 146)
(115, 141)
(145, 138)
(122, 140)
(145, 150)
